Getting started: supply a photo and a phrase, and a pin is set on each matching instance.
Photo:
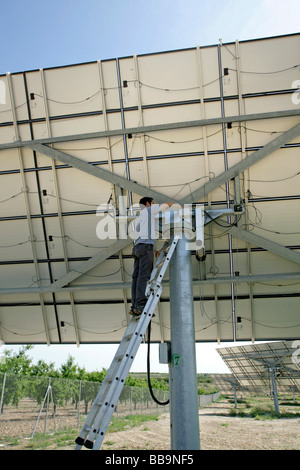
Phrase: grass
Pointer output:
(8, 440)
(129, 421)
(261, 407)
(39, 442)
(65, 437)
(262, 413)
(258, 408)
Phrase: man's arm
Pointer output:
(165, 206)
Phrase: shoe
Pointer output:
(138, 311)
(131, 310)
(135, 312)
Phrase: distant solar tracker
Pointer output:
(270, 366)
(80, 144)
(227, 383)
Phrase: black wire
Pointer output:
(148, 372)
(218, 223)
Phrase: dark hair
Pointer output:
(144, 201)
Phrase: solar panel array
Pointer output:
(251, 364)
(227, 383)
(216, 125)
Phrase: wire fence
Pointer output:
(30, 404)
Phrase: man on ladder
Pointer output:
(95, 426)
(143, 252)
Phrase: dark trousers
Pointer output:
(143, 265)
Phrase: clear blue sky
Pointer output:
(47, 33)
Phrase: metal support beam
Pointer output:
(241, 166)
(99, 172)
(101, 256)
(272, 371)
(251, 279)
(268, 245)
(156, 128)
(183, 370)
(27, 205)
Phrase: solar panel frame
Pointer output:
(251, 364)
(172, 122)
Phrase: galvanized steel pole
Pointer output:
(183, 372)
(272, 371)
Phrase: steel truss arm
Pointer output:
(94, 261)
(100, 172)
(241, 166)
(268, 245)
(234, 171)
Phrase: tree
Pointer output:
(17, 363)
(90, 385)
(43, 369)
(69, 370)
(15, 386)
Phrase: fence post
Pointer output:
(142, 398)
(78, 418)
(2, 393)
(130, 403)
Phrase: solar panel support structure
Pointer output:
(183, 371)
(272, 371)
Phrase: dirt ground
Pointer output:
(218, 431)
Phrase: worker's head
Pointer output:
(145, 202)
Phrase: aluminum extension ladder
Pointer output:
(98, 419)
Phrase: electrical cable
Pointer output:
(266, 73)
(164, 403)
(68, 102)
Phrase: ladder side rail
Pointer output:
(115, 390)
(157, 278)
(167, 260)
(155, 293)
(100, 397)
(105, 423)
(158, 262)
(106, 392)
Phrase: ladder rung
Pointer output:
(87, 428)
(119, 358)
(127, 337)
(114, 379)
